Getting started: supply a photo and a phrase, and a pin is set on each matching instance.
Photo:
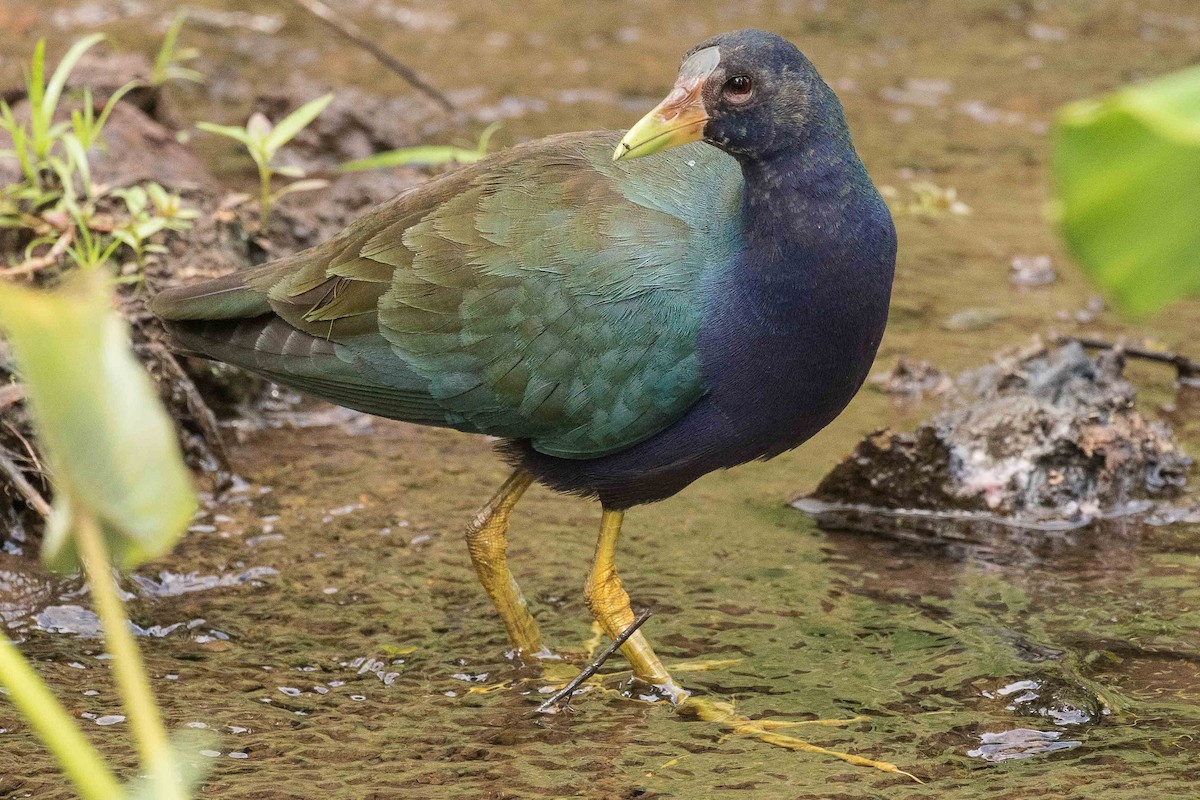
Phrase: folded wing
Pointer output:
(545, 294)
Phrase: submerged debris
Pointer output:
(1047, 439)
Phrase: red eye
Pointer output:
(738, 89)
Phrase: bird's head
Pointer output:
(747, 92)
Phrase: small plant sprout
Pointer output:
(169, 63)
(55, 202)
(34, 141)
(263, 141)
(52, 154)
(425, 154)
(91, 249)
(151, 210)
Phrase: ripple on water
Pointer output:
(170, 584)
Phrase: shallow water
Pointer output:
(324, 620)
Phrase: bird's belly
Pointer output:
(773, 380)
(706, 439)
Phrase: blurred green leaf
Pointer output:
(424, 154)
(189, 767)
(58, 81)
(228, 131)
(110, 445)
(1128, 173)
(293, 123)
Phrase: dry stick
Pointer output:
(32, 497)
(1184, 366)
(47, 259)
(355, 34)
(30, 450)
(563, 695)
(10, 395)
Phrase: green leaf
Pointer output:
(1128, 173)
(307, 185)
(228, 131)
(167, 53)
(258, 128)
(287, 128)
(98, 125)
(111, 448)
(63, 71)
(177, 73)
(136, 199)
(35, 86)
(485, 138)
(77, 154)
(425, 154)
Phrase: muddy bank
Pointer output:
(143, 145)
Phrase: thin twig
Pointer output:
(563, 695)
(32, 497)
(1184, 366)
(47, 259)
(30, 450)
(355, 34)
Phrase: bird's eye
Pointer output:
(738, 89)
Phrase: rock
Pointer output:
(137, 149)
(1043, 440)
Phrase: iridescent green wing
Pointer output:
(547, 293)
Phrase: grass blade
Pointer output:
(228, 131)
(425, 154)
(58, 80)
(293, 123)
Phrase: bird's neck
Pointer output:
(794, 323)
(797, 203)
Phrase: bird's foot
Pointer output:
(648, 691)
(767, 731)
(629, 687)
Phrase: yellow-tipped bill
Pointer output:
(678, 119)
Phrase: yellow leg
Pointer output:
(487, 540)
(609, 604)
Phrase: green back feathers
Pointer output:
(546, 293)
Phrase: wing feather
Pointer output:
(546, 293)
